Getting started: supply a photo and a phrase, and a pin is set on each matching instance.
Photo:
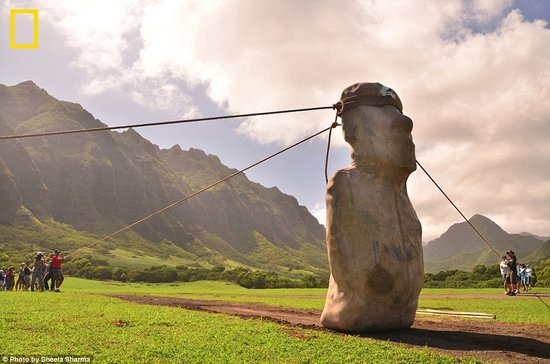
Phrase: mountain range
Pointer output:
(461, 248)
(92, 184)
(68, 191)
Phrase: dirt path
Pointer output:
(490, 340)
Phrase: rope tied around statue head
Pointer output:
(354, 101)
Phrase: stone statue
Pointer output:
(374, 238)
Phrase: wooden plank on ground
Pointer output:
(457, 313)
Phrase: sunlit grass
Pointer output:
(507, 309)
(114, 331)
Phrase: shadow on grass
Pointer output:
(466, 341)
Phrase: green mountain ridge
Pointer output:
(539, 254)
(461, 248)
(92, 184)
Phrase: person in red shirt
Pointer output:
(57, 273)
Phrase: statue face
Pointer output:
(380, 134)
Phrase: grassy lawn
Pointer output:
(79, 322)
(507, 309)
(113, 331)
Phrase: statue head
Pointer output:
(375, 127)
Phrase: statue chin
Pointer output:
(406, 164)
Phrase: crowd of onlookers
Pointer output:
(515, 276)
(42, 274)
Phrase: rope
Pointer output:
(203, 190)
(469, 223)
(338, 107)
(460, 212)
(170, 122)
(536, 295)
(334, 125)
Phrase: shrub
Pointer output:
(481, 276)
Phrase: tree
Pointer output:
(542, 273)
(480, 269)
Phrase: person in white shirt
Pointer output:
(529, 276)
(504, 271)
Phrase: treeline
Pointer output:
(542, 271)
(99, 269)
(481, 276)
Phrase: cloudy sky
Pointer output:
(473, 76)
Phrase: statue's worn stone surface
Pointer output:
(374, 238)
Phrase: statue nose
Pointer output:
(402, 124)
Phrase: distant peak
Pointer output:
(133, 133)
(29, 86)
(28, 83)
(176, 148)
(196, 150)
(481, 218)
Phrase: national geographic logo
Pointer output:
(18, 14)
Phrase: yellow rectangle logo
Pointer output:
(34, 13)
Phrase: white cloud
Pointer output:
(487, 10)
(319, 211)
(109, 40)
(478, 99)
(100, 31)
(166, 97)
(487, 129)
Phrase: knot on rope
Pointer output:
(339, 107)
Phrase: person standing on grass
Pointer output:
(504, 270)
(512, 261)
(38, 272)
(522, 275)
(2, 280)
(57, 273)
(20, 278)
(10, 279)
(26, 277)
(49, 277)
(529, 276)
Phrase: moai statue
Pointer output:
(374, 238)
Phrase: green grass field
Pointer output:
(507, 309)
(79, 322)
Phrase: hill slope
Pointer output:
(460, 247)
(95, 183)
(539, 254)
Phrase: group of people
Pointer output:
(514, 274)
(37, 277)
